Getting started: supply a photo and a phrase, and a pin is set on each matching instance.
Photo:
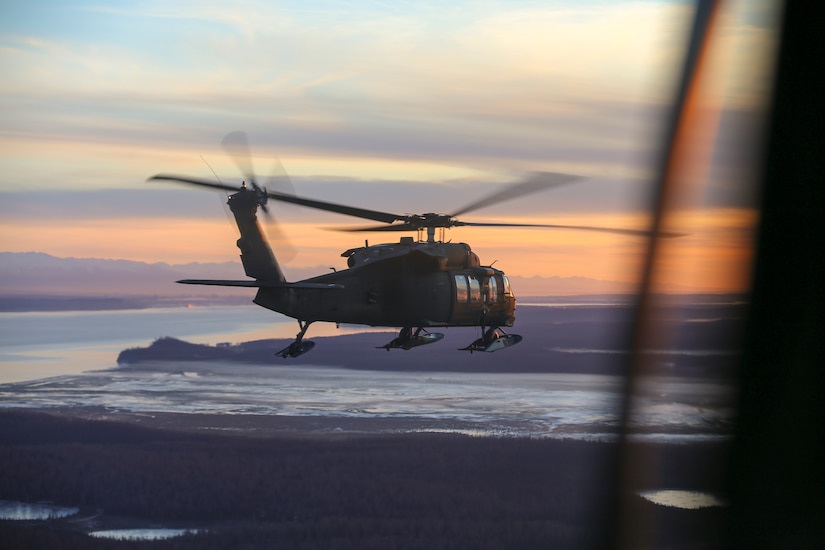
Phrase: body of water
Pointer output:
(68, 359)
(37, 345)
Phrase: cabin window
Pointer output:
(461, 293)
(475, 289)
(507, 290)
(492, 291)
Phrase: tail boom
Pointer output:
(258, 260)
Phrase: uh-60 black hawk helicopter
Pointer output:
(414, 284)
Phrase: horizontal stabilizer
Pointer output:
(257, 284)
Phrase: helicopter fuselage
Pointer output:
(421, 284)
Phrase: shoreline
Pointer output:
(266, 426)
(322, 399)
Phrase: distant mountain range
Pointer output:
(36, 273)
(39, 273)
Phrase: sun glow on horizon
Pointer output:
(713, 254)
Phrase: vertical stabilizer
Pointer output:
(258, 260)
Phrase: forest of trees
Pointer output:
(355, 491)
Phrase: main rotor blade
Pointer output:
(538, 181)
(385, 217)
(375, 215)
(236, 146)
(394, 227)
(615, 230)
(194, 181)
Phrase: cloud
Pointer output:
(325, 74)
(523, 86)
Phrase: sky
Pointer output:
(406, 107)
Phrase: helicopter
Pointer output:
(415, 283)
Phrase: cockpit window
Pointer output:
(507, 290)
(492, 291)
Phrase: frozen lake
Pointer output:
(69, 359)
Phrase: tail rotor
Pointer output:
(236, 146)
